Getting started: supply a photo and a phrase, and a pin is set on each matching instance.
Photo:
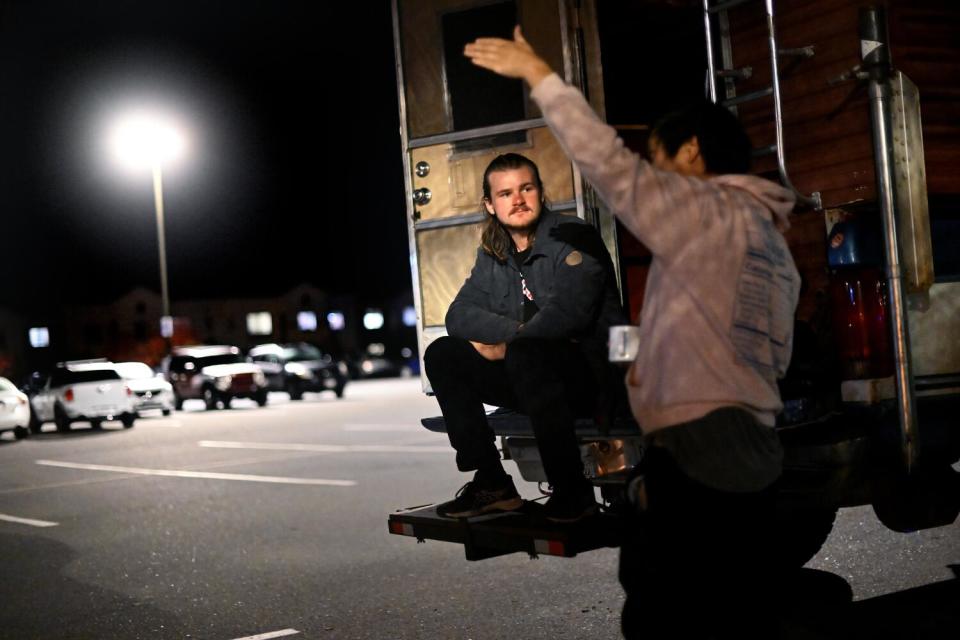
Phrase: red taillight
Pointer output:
(860, 322)
(68, 395)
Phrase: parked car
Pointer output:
(215, 374)
(299, 367)
(371, 366)
(82, 392)
(150, 390)
(375, 362)
(14, 410)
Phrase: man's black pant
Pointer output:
(550, 381)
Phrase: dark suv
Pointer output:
(215, 374)
(299, 367)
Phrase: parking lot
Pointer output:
(271, 522)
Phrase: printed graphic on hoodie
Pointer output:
(761, 332)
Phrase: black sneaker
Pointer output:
(570, 506)
(473, 500)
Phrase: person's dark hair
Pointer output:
(724, 144)
(495, 239)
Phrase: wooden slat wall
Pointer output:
(827, 128)
(925, 37)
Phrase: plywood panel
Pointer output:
(422, 52)
(446, 257)
(456, 180)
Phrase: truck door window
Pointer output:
(475, 97)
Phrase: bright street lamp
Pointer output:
(144, 140)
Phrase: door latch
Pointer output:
(422, 196)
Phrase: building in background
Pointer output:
(129, 328)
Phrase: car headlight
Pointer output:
(342, 366)
(223, 383)
(297, 369)
(259, 379)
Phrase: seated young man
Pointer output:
(527, 331)
(715, 334)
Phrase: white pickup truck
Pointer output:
(83, 393)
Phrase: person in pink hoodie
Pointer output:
(716, 332)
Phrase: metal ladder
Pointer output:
(729, 75)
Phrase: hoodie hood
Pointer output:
(779, 200)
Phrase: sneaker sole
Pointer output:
(503, 505)
(590, 511)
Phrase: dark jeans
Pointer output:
(548, 380)
(698, 563)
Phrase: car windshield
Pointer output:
(62, 377)
(223, 358)
(135, 370)
(6, 385)
(302, 353)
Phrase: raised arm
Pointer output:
(658, 207)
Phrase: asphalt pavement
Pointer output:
(271, 523)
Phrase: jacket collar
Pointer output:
(544, 241)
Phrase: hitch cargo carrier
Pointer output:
(497, 534)
(524, 530)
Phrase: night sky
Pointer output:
(294, 172)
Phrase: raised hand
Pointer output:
(510, 58)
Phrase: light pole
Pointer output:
(144, 140)
(161, 241)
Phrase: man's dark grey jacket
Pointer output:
(571, 276)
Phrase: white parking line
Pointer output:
(381, 427)
(32, 523)
(174, 473)
(272, 634)
(166, 423)
(326, 448)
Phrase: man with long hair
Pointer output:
(715, 334)
(527, 331)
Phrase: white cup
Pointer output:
(624, 343)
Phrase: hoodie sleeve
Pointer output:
(659, 207)
(469, 316)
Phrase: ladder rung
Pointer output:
(742, 73)
(768, 150)
(799, 52)
(729, 4)
(747, 97)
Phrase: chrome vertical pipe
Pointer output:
(711, 68)
(875, 51)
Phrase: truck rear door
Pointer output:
(456, 118)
